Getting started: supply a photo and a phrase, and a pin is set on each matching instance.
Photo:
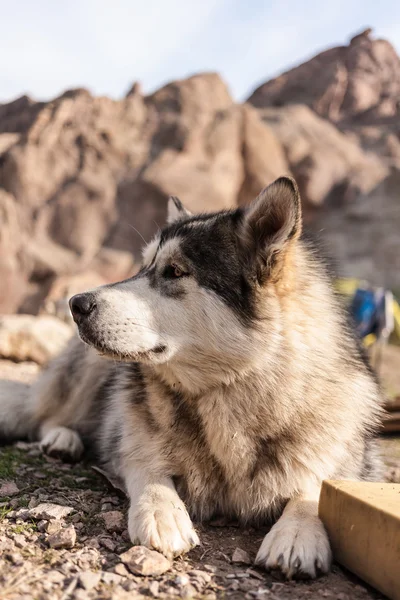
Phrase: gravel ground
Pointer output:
(63, 536)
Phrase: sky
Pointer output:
(48, 46)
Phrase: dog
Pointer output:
(235, 386)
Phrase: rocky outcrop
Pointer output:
(84, 180)
(363, 233)
(90, 176)
(342, 83)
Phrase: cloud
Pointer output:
(49, 46)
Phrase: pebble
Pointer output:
(120, 569)
(154, 588)
(52, 527)
(201, 576)
(107, 543)
(80, 595)
(113, 520)
(182, 580)
(8, 488)
(89, 579)
(142, 561)
(255, 574)
(48, 511)
(111, 578)
(22, 514)
(65, 538)
(15, 558)
(188, 592)
(241, 556)
(19, 540)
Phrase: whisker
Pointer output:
(138, 232)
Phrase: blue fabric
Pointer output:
(364, 309)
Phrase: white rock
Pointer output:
(65, 538)
(47, 510)
(89, 579)
(25, 337)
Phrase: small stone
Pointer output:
(255, 574)
(113, 520)
(125, 536)
(111, 578)
(107, 543)
(154, 588)
(39, 475)
(42, 525)
(182, 580)
(80, 595)
(65, 538)
(33, 503)
(142, 561)
(188, 592)
(15, 558)
(19, 540)
(53, 527)
(201, 576)
(23, 514)
(55, 576)
(8, 488)
(107, 506)
(210, 568)
(120, 569)
(89, 580)
(49, 511)
(76, 518)
(241, 556)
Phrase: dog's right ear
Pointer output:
(176, 210)
(271, 224)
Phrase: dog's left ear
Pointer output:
(271, 224)
(176, 210)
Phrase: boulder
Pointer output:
(29, 338)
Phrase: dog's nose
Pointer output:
(82, 305)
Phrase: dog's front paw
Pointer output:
(299, 548)
(164, 526)
(63, 443)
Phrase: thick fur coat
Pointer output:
(235, 387)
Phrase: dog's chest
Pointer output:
(213, 447)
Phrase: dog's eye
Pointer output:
(173, 272)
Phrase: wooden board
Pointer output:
(363, 524)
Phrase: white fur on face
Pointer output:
(196, 327)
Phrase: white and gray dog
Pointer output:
(236, 387)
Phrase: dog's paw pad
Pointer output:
(298, 549)
(63, 443)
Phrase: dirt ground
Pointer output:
(78, 556)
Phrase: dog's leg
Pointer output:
(297, 544)
(157, 516)
(59, 441)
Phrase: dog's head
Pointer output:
(197, 299)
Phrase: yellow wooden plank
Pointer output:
(363, 524)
